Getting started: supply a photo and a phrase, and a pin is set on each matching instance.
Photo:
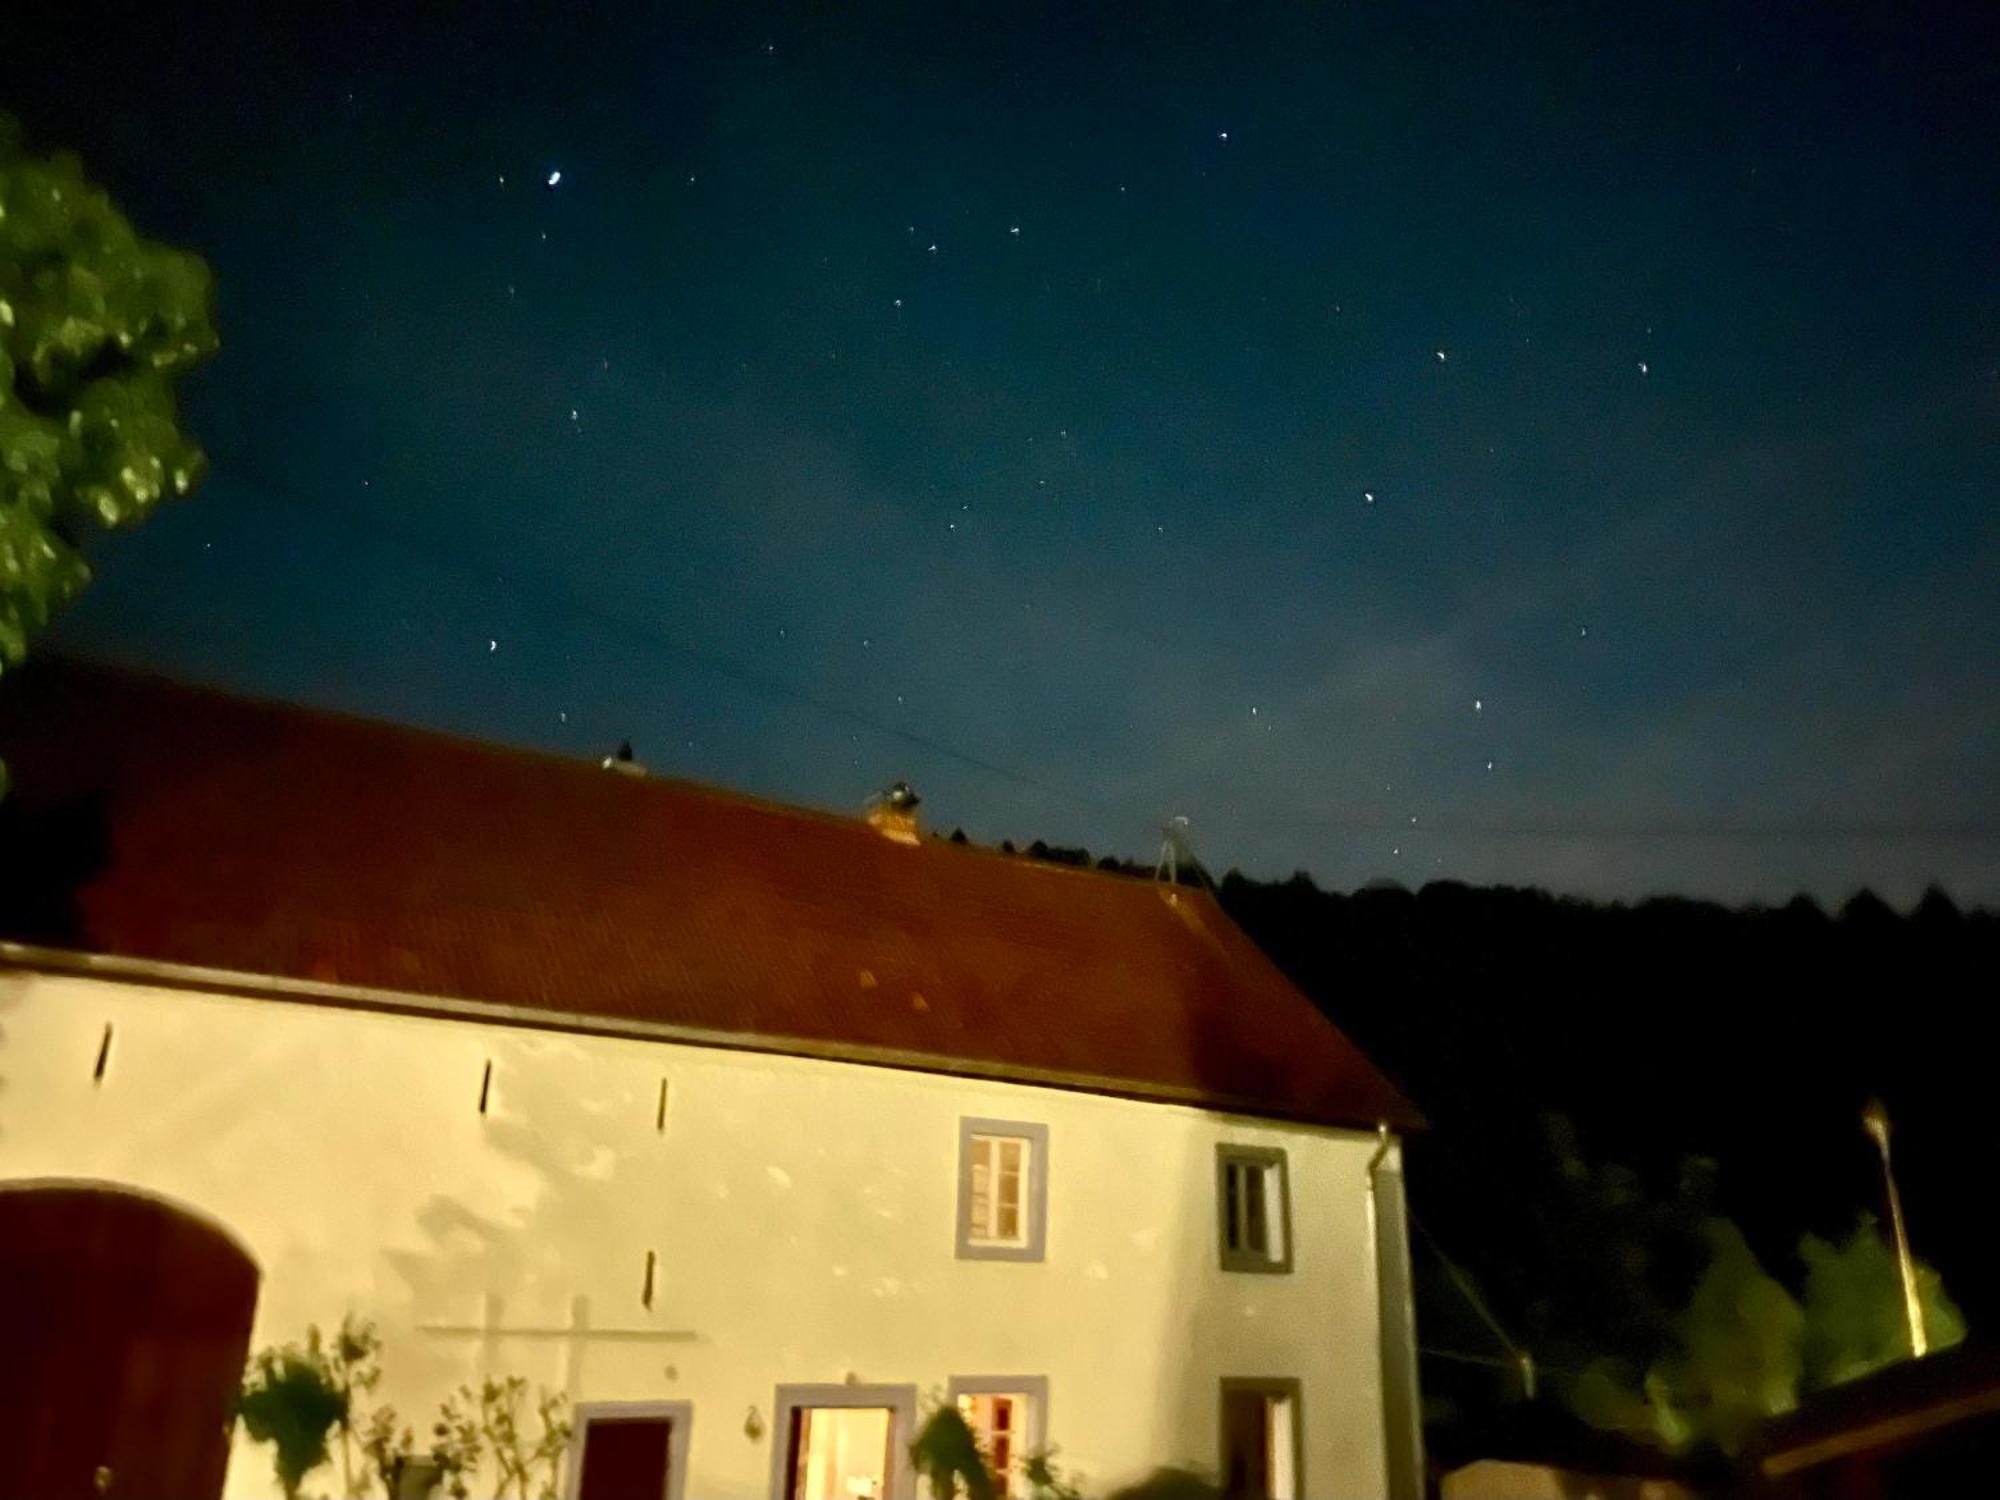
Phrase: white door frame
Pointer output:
(679, 1417)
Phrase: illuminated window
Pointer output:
(1007, 1415)
(1002, 1189)
(1254, 1208)
(842, 1442)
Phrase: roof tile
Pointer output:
(286, 842)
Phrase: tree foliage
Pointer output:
(97, 324)
(947, 1456)
(292, 1400)
(1745, 1349)
(1855, 1320)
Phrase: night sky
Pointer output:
(1542, 443)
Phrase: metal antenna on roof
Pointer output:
(1174, 847)
(892, 812)
(622, 761)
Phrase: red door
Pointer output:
(126, 1326)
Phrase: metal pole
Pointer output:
(1875, 1120)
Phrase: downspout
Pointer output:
(1396, 1324)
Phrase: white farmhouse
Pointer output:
(754, 1131)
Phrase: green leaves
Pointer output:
(1855, 1318)
(946, 1455)
(1744, 1349)
(291, 1401)
(96, 326)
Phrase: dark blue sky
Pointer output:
(994, 395)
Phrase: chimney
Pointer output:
(621, 761)
(893, 813)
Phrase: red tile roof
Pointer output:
(278, 841)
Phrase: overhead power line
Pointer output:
(554, 591)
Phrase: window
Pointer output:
(1008, 1414)
(1253, 1202)
(634, 1450)
(843, 1442)
(1262, 1445)
(999, 1190)
(1003, 1169)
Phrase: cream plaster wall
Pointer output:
(800, 1212)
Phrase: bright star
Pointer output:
(1644, 368)
(1368, 496)
(1479, 705)
(554, 178)
(1440, 355)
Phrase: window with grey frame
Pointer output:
(1253, 1209)
(1009, 1416)
(1263, 1439)
(1003, 1183)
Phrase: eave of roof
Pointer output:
(315, 849)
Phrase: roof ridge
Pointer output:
(154, 678)
(257, 836)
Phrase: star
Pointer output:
(491, 647)
(1368, 496)
(899, 302)
(1222, 135)
(1441, 356)
(1015, 230)
(555, 177)
(1644, 368)
(934, 249)
(1479, 705)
